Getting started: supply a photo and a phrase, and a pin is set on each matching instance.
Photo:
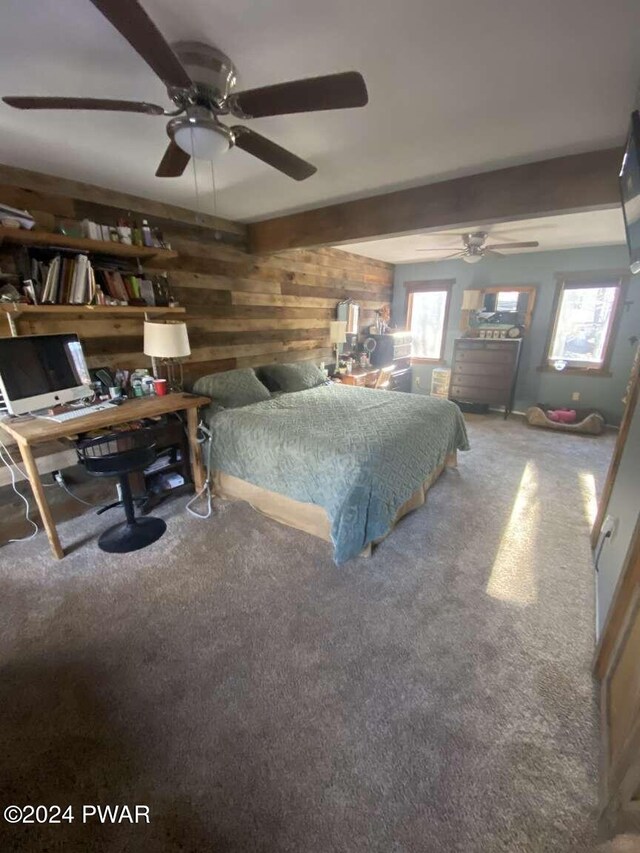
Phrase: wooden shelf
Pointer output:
(21, 237)
(17, 308)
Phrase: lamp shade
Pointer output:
(203, 143)
(471, 300)
(166, 340)
(338, 331)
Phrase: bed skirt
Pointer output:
(311, 518)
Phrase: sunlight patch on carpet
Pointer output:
(587, 484)
(513, 576)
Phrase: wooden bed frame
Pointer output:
(311, 518)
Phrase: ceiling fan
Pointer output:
(200, 81)
(475, 249)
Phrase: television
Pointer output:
(630, 191)
(38, 371)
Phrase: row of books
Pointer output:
(67, 281)
(75, 281)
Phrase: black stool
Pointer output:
(118, 455)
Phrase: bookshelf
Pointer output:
(17, 308)
(21, 237)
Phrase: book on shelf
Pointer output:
(65, 281)
(68, 280)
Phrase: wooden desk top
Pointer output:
(30, 430)
(363, 371)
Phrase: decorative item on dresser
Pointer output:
(484, 372)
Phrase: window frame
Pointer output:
(583, 281)
(429, 286)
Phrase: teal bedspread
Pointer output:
(357, 452)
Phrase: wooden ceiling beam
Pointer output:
(30, 186)
(568, 184)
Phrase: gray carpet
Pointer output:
(436, 697)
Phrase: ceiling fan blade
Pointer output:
(173, 163)
(493, 252)
(133, 23)
(21, 103)
(272, 154)
(528, 244)
(446, 257)
(436, 249)
(331, 92)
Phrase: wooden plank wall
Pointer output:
(242, 310)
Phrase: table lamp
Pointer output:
(337, 336)
(170, 343)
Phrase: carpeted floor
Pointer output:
(436, 697)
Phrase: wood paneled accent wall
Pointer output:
(242, 309)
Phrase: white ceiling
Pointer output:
(455, 87)
(569, 231)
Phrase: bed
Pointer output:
(341, 462)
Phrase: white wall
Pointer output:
(624, 506)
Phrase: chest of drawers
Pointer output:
(485, 372)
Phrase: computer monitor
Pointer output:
(38, 371)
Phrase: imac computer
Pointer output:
(39, 371)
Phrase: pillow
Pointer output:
(231, 389)
(292, 377)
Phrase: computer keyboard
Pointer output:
(79, 413)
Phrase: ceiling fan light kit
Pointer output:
(201, 81)
(200, 135)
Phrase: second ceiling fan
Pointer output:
(200, 81)
(475, 247)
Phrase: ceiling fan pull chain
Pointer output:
(214, 190)
(195, 178)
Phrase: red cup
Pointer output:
(160, 387)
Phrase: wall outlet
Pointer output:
(575, 396)
(418, 382)
(609, 526)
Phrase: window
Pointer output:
(427, 310)
(585, 318)
(507, 301)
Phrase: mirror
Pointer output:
(500, 308)
(349, 312)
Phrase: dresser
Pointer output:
(484, 372)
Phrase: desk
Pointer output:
(30, 431)
(367, 377)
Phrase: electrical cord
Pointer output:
(598, 554)
(206, 489)
(11, 468)
(18, 468)
(60, 482)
